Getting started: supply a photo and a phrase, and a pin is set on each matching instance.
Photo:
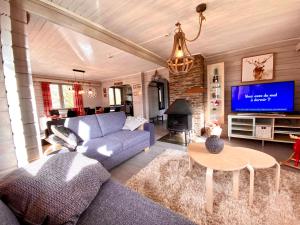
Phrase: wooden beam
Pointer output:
(68, 19)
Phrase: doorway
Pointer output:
(120, 99)
(158, 100)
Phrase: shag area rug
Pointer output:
(168, 181)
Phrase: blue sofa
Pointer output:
(104, 139)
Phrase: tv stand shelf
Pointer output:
(263, 127)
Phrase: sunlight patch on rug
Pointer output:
(168, 181)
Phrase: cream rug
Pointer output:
(168, 181)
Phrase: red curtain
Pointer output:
(46, 97)
(78, 101)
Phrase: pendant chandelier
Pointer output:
(81, 91)
(181, 60)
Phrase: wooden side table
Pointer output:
(228, 160)
(259, 160)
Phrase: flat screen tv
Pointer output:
(277, 97)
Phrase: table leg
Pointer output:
(191, 163)
(277, 177)
(209, 190)
(251, 191)
(236, 177)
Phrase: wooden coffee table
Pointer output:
(231, 159)
(259, 160)
(228, 160)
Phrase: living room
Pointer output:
(185, 111)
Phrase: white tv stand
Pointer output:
(264, 127)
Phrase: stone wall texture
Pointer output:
(179, 84)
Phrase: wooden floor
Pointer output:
(132, 166)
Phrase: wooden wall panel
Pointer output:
(8, 160)
(286, 67)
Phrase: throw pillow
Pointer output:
(54, 140)
(53, 190)
(133, 123)
(66, 134)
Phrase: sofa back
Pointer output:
(87, 127)
(111, 122)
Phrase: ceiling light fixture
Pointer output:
(181, 60)
(81, 91)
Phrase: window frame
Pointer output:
(61, 96)
(114, 96)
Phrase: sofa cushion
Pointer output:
(111, 122)
(100, 148)
(117, 205)
(6, 215)
(87, 127)
(67, 135)
(54, 140)
(130, 138)
(53, 190)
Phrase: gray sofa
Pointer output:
(115, 205)
(70, 188)
(104, 139)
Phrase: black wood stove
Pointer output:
(180, 117)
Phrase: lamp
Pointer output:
(81, 91)
(181, 60)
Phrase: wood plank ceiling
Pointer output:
(230, 25)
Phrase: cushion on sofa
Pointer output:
(111, 122)
(133, 123)
(6, 216)
(86, 127)
(54, 140)
(67, 135)
(117, 205)
(100, 148)
(130, 138)
(53, 190)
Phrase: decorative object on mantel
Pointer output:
(294, 159)
(181, 61)
(257, 68)
(214, 144)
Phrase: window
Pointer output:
(62, 96)
(68, 96)
(115, 96)
(55, 96)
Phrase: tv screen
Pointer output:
(267, 97)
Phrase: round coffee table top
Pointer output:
(257, 159)
(229, 159)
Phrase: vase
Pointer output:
(214, 144)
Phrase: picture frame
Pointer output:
(258, 68)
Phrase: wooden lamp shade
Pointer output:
(181, 60)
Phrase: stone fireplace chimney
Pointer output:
(179, 84)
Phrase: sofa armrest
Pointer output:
(150, 128)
